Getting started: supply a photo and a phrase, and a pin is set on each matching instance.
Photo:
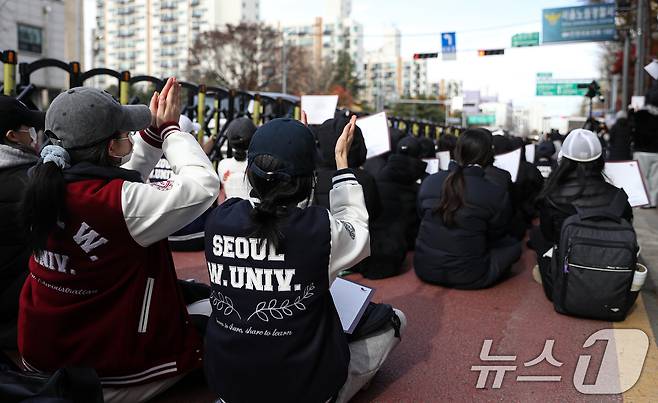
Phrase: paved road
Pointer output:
(447, 329)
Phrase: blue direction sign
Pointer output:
(448, 46)
(583, 23)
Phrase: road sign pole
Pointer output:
(625, 67)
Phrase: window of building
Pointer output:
(30, 38)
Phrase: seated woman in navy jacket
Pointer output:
(462, 241)
(274, 334)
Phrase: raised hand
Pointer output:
(344, 143)
(169, 103)
(153, 106)
(304, 118)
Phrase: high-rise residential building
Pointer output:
(337, 10)
(39, 29)
(387, 77)
(326, 40)
(154, 37)
(414, 79)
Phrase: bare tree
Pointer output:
(244, 56)
(248, 57)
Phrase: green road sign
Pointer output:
(558, 88)
(525, 39)
(484, 119)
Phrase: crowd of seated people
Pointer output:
(298, 203)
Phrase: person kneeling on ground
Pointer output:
(102, 290)
(462, 241)
(578, 181)
(271, 265)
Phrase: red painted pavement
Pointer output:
(446, 329)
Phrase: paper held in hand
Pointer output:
(432, 165)
(627, 175)
(375, 133)
(319, 108)
(444, 160)
(351, 300)
(652, 69)
(509, 162)
(530, 153)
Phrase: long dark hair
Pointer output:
(565, 169)
(473, 147)
(44, 198)
(276, 197)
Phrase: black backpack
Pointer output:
(593, 271)
(376, 318)
(66, 385)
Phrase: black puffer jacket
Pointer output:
(645, 129)
(327, 134)
(14, 246)
(559, 205)
(398, 185)
(619, 146)
(459, 256)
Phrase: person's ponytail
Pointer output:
(452, 197)
(44, 203)
(275, 196)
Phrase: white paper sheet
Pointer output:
(652, 69)
(627, 175)
(530, 153)
(375, 134)
(319, 108)
(444, 160)
(432, 165)
(351, 300)
(510, 162)
(637, 102)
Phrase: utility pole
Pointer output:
(640, 47)
(284, 64)
(625, 68)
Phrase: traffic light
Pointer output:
(425, 56)
(491, 52)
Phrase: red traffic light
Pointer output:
(491, 52)
(425, 56)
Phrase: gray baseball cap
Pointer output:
(83, 116)
(581, 145)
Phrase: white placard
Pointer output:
(432, 165)
(444, 160)
(530, 153)
(351, 300)
(509, 162)
(652, 69)
(319, 108)
(627, 175)
(375, 133)
(637, 102)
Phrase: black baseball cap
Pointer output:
(289, 141)
(15, 113)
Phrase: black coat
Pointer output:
(14, 251)
(398, 186)
(645, 127)
(619, 146)
(459, 256)
(560, 204)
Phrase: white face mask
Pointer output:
(124, 159)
